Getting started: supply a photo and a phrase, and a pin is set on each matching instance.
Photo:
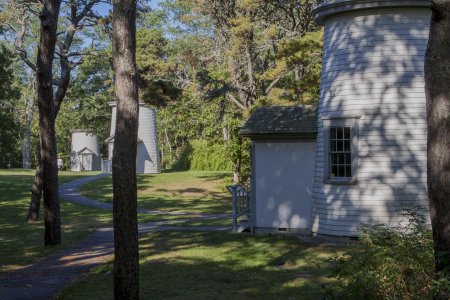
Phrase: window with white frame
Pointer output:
(341, 146)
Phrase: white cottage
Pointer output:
(283, 153)
(85, 152)
(148, 158)
(370, 150)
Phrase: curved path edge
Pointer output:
(45, 278)
(71, 192)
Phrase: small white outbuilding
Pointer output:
(85, 152)
(148, 157)
(370, 159)
(283, 150)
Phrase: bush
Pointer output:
(210, 157)
(388, 263)
(183, 157)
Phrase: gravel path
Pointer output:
(44, 279)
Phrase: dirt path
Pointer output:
(44, 279)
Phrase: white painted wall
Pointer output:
(147, 158)
(81, 140)
(283, 184)
(373, 67)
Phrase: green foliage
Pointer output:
(191, 118)
(388, 263)
(210, 157)
(9, 129)
(86, 105)
(153, 68)
(182, 158)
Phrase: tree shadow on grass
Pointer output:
(217, 265)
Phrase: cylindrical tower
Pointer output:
(147, 159)
(371, 144)
(85, 151)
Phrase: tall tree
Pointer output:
(78, 17)
(47, 113)
(19, 19)
(126, 261)
(249, 53)
(8, 126)
(437, 78)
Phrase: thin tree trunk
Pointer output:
(437, 78)
(237, 164)
(126, 245)
(26, 142)
(47, 115)
(36, 194)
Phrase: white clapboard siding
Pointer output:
(373, 68)
(147, 158)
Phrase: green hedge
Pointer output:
(209, 157)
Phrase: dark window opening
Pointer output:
(340, 152)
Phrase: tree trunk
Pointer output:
(47, 115)
(36, 194)
(126, 245)
(26, 142)
(437, 78)
(237, 164)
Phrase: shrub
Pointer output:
(209, 157)
(388, 263)
(183, 158)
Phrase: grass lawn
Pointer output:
(23, 243)
(217, 265)
(176, 264)
(193, 191)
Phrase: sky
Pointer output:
(103, 8)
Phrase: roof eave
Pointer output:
(280, 136)
(333, 7)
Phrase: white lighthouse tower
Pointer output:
(147, 159)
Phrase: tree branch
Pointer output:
(235, 101)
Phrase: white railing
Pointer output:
(241, 203)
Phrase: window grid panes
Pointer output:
(340, 152)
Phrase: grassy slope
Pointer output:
(22, 243)
(197, 265)
(193, 191)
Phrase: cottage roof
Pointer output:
(281, 121)
(85, 150)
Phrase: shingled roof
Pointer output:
(281, 121)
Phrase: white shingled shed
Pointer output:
(371, 146)
(147, 159)
(85, 152)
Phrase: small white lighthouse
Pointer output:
(85, 153)
(147, 159)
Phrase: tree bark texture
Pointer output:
(126, 261)
(437, 79)
(36, 195)
(46, 50)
